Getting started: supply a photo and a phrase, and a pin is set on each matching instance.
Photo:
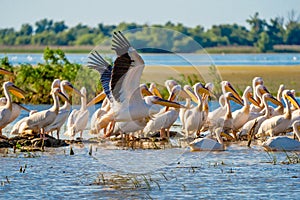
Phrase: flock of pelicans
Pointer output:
(129, 107)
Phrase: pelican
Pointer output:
(187, 106)
(283, 143)
(195, 118)
(164, 120)
(6, 111)
(259, 120)
(255, 82)
(16, 128)
(39, 120)
(225, 122)
(121, 84)
(16, 109)
(214, 115)
(64, 110)
(280, 123)
(78, 119)
(153, 89)
(241, 116)
(207, 144)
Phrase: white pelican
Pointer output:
(165, 119)
(225, 122)
(259, 120)
(187, 106)
(78, 119)
(280, 123)
(214, 115)
(6, 111)
(255, 82)
(16, 109)
(207, 144)
(121, 84)
(241, 116)
(39, 120)
(194, 118)
(283, 143)
(15, 130)
(64, 110)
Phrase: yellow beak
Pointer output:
(97, 99)
(292, 99)
(156, 92)
(18, 92)
(236, 100)
(5, 72)
(70, 87)
(146, 92)
(253, 101)
(192, 95)
(275, 101)
(229, 88)
(61, 95)
(167, 103)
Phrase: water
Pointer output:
(180, 59)
(238, 172)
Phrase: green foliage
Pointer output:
(263, 34)
(37, 80)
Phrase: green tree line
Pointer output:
(262, 34)
(36, 80)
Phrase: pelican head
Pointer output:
(232, 97)
(170, 84)
(272, 99)
(57, 91)
(14, 89)
(144, 90)
(289, 95)
(177, 91)
(188, 89)
(55, 83)
(5, 72)
(227, 87)
(68, 86)
(153, 89)
(248, 94)
(257, 81)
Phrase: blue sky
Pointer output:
(189, 12)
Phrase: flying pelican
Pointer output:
(259, 120)
(195, 118)
(121, 84)
(64, 110)
(39, 120)
(207, 144)
(78, 119)
(283, 143)
(6, 111)
(280, 123)
(164, 120)
(241, 116)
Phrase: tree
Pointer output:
(43, 25)
(59, 27)
(257, 26)
(264, 43)
(26, 29)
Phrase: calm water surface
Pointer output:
(238, 172)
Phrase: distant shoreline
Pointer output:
(88, 48)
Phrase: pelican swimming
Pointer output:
(278, 124)
(121, 84)
(64, 110)
(39, 120)
(78, 119)
(284, 143)
(6, 111)
(208, 144)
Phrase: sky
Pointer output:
(191, 13)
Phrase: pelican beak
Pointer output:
(5, 72)
(292, 99)
(167, 103)
(264, 90)
(145, 92)
(61, 95)
(18, 92)
(229, 88)
(235, 99)
(253, 101)
(71, 88)
(156, 92)
(192, 95)
(97, 99)
(172, 97)
(275, 101)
